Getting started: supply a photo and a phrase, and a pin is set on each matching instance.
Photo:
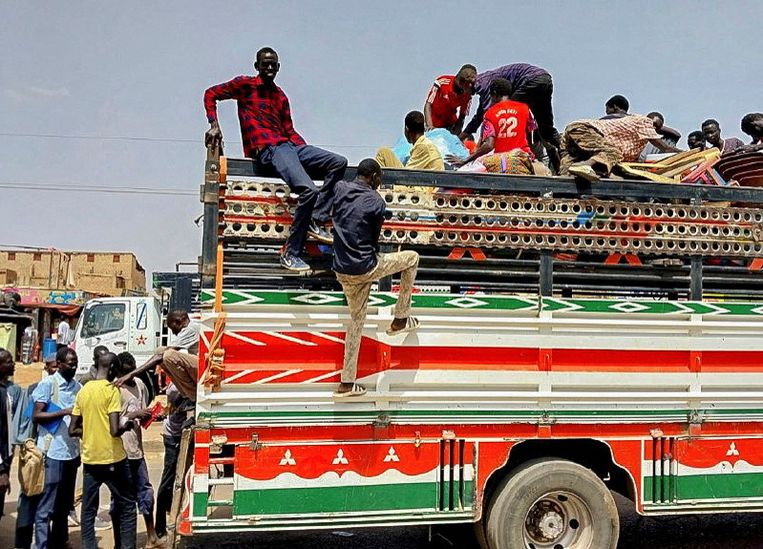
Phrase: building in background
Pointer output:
(53, 285)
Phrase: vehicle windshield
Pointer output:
(103, 318)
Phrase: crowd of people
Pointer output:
(516, 117)
(96, 423)
(515, 114)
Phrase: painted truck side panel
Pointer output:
(672, 390)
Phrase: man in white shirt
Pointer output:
(65, 334)
(180, 359)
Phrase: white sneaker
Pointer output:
(102, 524)
(73, 518)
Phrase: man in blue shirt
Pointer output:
(23, 429)
(53, 401)
(358, 218)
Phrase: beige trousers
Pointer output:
(388, 159)
(357, 289)
(183, 370)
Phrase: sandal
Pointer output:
(355, 391)
(411, 323)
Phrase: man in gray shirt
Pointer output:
(180, 359)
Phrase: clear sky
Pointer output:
(352, 70)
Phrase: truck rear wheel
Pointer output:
(552, 504)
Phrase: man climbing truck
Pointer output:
(530, 392)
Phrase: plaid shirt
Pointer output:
(629, 133)
(263, 112)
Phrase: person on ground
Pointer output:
(180, 359)
(712, 130)
(54, 399)
(135, 403)
(424, 154)
(448, 100)
(592, 148)
(23, 429)
(752, 125)
(507, 125)
(65, 335)
(530, 85)
(269, 137)
(172, 430)
(616, 107)
(696, 140)
(96, 419)
(669, 135)
(358, 218)
(9, 396)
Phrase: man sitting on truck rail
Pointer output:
(269, 137)
(180, 359)
(358, 218)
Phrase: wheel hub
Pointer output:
(545, 521)
(551, 525)
(558, 519)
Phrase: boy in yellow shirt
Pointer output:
(95, 418)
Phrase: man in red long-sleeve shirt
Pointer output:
(269, 137)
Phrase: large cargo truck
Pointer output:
(560, 358)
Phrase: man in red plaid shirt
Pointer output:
(269, 137)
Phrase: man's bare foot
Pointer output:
(345, 387)
(403, 325)
(349, 390)
(398, 323)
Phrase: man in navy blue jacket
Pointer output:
(358, 218)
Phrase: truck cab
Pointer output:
(132, 324)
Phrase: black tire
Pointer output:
(480, 534)
(571, 508)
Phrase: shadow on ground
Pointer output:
(722, 531)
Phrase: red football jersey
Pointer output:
(510, 122)
(447, 105)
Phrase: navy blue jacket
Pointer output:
(358, 216)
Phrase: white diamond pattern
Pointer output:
(317, 299)
(629, 307)
(466, 302)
